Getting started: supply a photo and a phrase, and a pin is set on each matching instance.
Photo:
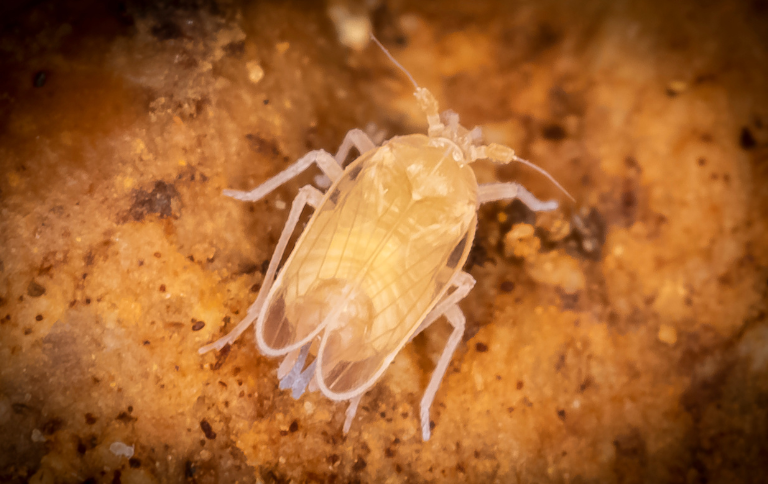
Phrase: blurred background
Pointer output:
(620, 339)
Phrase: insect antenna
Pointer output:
(425, 98)
(504, 154)
(430, 107)
(394, 61)
(546, 174)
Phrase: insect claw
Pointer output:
(548, 206)
(426, 432)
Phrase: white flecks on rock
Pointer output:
(120, 449)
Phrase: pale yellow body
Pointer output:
(383, 245)
(379, 261)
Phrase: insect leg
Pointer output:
(356, 138)
(308, 195)
(492, 192)
(454, 316)
(464, 283)
(351, 411)
(446, 307)
(323, 159)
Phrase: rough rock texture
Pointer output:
(623, 339)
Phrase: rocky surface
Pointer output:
(622, 339)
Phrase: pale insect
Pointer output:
(379, 261)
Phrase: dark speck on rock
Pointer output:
(207, 430)
(125, 417)
(189, 470)
(35, 290)
(507, 286)
(359, 464)
(52, 426)
(161, 201)
(221, 357)
(247, 268)
(553, 132)
(746, 140)
(39, 79)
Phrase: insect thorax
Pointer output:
(430, 168)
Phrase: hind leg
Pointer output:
(464, 283)
(449, 308)
(351, 411)
(308, 195)
(454, 316)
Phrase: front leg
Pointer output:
(492, 192)
(356, 138)
(323, 159)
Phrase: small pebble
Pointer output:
(255, 71)
(667, 334)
